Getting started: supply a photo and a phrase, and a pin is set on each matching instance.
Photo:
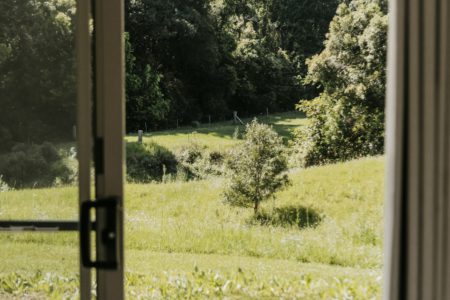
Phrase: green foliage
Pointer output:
(149, 162)
(34, 166)
(37, 67)
(347, 119)
(3, 185)
(38, 286)
(303, 25)
(236, 133)
(197, 162)
(267, 79)
(273, 40)
(213, 57)
(196, 283)
(256, 168)
(145, 102)
(248, 284)
(181, 41)
(185, 61)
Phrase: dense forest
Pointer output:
(189, 61)
(186, 60)
(37, 71)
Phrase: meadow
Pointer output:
(321, 237)
(219, 135)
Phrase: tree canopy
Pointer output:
(37, 71)
(211, 57)
(347, 119)
(186, 61)
(190, 60)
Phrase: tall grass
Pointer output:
(173, 227)
(191, 218)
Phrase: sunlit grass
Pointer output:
(219, 136)
(175, 227)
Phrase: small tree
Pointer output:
(256, 169)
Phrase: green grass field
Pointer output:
(218, 136)
(183, 242)
(181, 238)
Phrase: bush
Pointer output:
(149, 162)
(237, 134)
(4, 187)
(33, 166)
(196, 162)
(257, 168)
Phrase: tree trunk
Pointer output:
(256, 208)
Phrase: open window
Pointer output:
(62, 191)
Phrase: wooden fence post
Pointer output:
(140, 136)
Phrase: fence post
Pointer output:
(140, 135)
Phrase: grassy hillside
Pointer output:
(220, 135)
(182, 240)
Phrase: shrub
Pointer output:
(4, 187)
(33, 166)
(257, 168)
(213, 163)
(196, 162)
(149, 162)
(236, 133)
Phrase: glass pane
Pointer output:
(38, 104)
(208, 210)
(38, 165)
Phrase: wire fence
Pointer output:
(208, 121)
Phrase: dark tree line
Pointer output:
(37, 71)
(188, 60)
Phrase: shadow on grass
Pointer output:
(225, 129)
(284, 130)
(299, 216)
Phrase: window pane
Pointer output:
(38, 165)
